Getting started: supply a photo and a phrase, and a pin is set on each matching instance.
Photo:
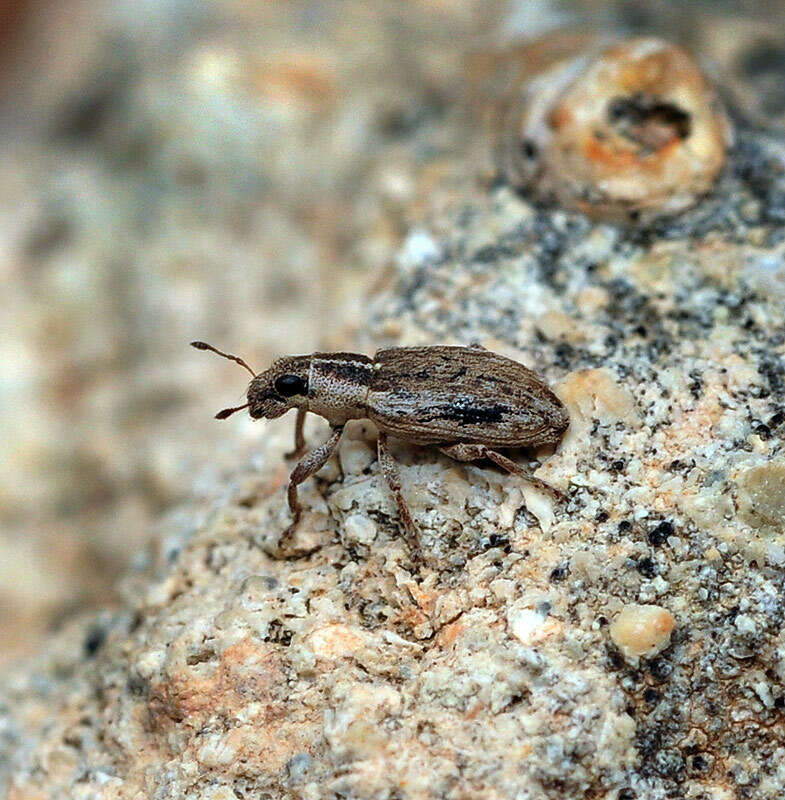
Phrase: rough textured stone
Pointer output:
(204, 173)
(486, 668)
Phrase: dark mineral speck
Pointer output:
(647, 567)
(659, 534)
(559, 573)
(93, 641)
(651, 696)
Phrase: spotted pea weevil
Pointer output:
(467, 401)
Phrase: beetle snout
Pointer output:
(263, 401)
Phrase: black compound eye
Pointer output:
(290, 385)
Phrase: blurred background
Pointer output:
(236, 171)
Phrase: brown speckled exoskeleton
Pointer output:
(467, 401)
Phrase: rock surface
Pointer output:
(486, 668)
(204, 173)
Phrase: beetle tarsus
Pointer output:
(474, 452)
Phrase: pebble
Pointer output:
(359, 528)
(762, 494)
(643, 630)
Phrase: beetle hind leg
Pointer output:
(474, 452)
(389, 469)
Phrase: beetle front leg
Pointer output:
(474, 452)
(389, 469)
(309, 465)
(299, 436)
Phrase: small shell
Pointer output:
(642, 630)
(626, 132)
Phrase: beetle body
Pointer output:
(423, 395)
(468, 401)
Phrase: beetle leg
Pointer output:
(309, 465)
(474, 452)
(299, 436)
(389, 469)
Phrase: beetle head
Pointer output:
(273, 392)
(281, 387)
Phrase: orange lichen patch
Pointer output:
(246, 672)
(560, 118)
(606, 156)
(411, 618)
(629, 131)
(450, 633)
(303, 79)
(424, 599)
(336, 641)
(642, 630)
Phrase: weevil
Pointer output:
(467, 401)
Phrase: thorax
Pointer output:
(338, 385)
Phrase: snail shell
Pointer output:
(628, 131)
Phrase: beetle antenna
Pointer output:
(227, 412)
(237, 359)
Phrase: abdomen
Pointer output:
(450, 395)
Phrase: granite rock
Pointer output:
(202, 173)
(487, 667)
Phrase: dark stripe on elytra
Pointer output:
(465, 414)
(347, 370)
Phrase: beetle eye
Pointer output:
(290, 385)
